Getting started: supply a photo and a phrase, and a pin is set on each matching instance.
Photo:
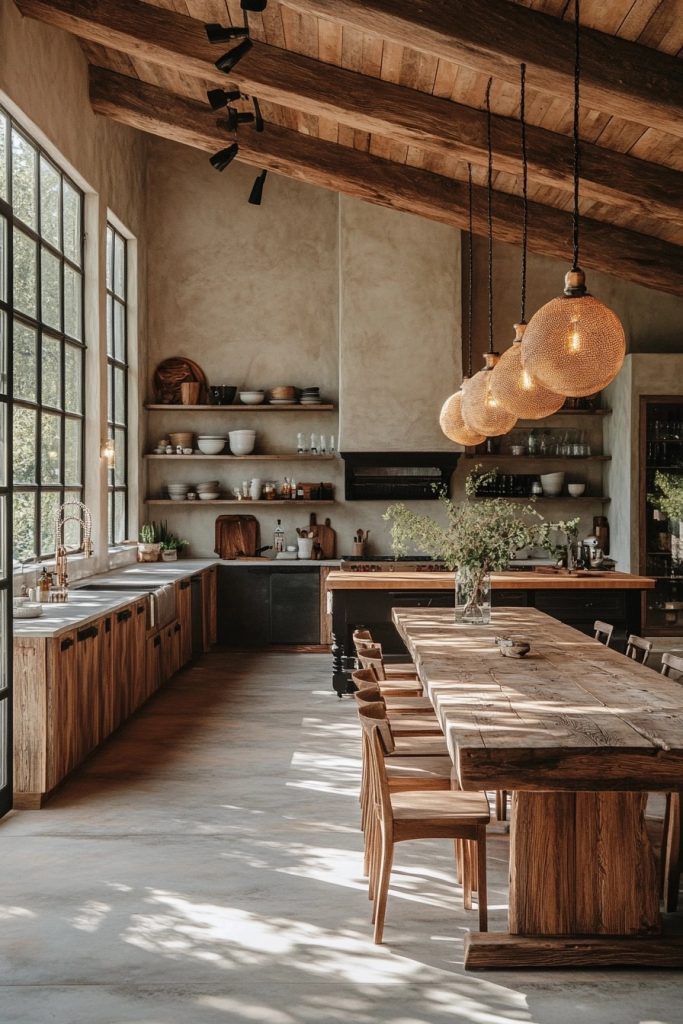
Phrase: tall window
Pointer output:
(117, 380)
(48, 340)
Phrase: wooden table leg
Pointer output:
(583, 886)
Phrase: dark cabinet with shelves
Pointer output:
(661, 543)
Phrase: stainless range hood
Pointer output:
(397, 476)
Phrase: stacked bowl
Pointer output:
(211, 444)
(242, 442)
(177, 492)
(182, 439)
(208, 491)
(310, 396)
(252, 397)
(283, 394)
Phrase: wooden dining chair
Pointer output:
(638, 649)
(671, 833)
(602, 631)
(371, 657)
(362, 639)
(399, 817)
(401, 724)
(397, 702)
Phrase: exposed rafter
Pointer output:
(403, 115)
(618, 77)
(639, 258)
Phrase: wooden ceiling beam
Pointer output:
(403, 115)
(618, 77)
(638, 258)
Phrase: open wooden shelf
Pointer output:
(543, 497)
(245, 501)
(485, 457)
(278, 457)
(564, 412)
(263, 407)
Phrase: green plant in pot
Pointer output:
(667, 500)
(170, 543)
(476, 539)
(149, 545)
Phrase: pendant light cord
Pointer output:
(525, 197)
(470, 271)
(577, 168)
(490, 210)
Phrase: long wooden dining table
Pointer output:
(580, 735)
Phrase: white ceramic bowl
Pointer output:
(178, 488)
(552, 484)
(252, 397)
(208, 495)
(177, 497)
(242, 442)
(576, 490)
(211, 445)
(241, 435)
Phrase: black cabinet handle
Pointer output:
(184, 584)
(177, 627)
(87, 634)
(107, 625)
(157, 641)
(124, 615)
(66, 644)
(140, 609)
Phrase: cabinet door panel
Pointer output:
(295, 606)
(184, 607)
(244, 596)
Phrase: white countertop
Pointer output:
(79, 611)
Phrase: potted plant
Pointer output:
(170, 543)
(479, 537)
(149, 545)
(667, 500)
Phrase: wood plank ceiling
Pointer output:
(632, 188)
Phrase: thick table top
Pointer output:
(499, 581)
(573, 714)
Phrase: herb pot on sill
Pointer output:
(169, 555)
(148, 552)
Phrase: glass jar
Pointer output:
(472, 596)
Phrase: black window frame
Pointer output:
(6, 587)
(114, 298)
(64, 490)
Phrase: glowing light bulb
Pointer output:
(575, 337)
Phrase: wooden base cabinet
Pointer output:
(184, 612)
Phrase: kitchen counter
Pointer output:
(369, 598)
(500, 580)
(85, 606)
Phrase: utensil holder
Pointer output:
(305, 545)
(359, 549)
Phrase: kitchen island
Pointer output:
(579, 734)
(367, 599)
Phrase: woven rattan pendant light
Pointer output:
(481, 411)
(450, 418)
(574, 345)
(510, 383)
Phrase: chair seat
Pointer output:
(407, 671)
(402, 725)
(398, 705)
(441, 808)
(401, 688)
(404, 768)
(419, 746)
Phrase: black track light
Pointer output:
(236, 118)
(228, 61)
(223, 157)
(220, 98)
(254, 5)
(257, 115)
(220, 34)
(256, 193)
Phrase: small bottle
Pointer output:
(43, 585)
(285, 488)
(279, 537)
(314, 447)
(292, 490)
(300, 492)
(330, 447)
(300, 444)
(321, 447)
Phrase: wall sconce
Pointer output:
(108, 452)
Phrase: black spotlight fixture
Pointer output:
(256, 194)
(220, 98)
(254, 5)
(220, 34)
(228, 61)
(236, 118)
(257, 115)
(223, 157)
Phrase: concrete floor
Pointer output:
(204, 867)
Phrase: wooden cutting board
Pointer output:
(325, 536)
(237, 536)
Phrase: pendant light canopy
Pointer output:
(481, 410)
(574, 345)
(511, 384)
(450, 418)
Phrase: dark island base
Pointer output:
(371, 609)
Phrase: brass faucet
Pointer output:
(64, 515)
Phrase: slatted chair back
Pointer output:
(638, 649)
(364, 678)
(672, 663)
(603, 632)
(376, 711)
(377, 769)
(371, 657)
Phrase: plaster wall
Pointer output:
(310, 288)
(44, 84)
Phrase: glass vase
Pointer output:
(472, 597)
